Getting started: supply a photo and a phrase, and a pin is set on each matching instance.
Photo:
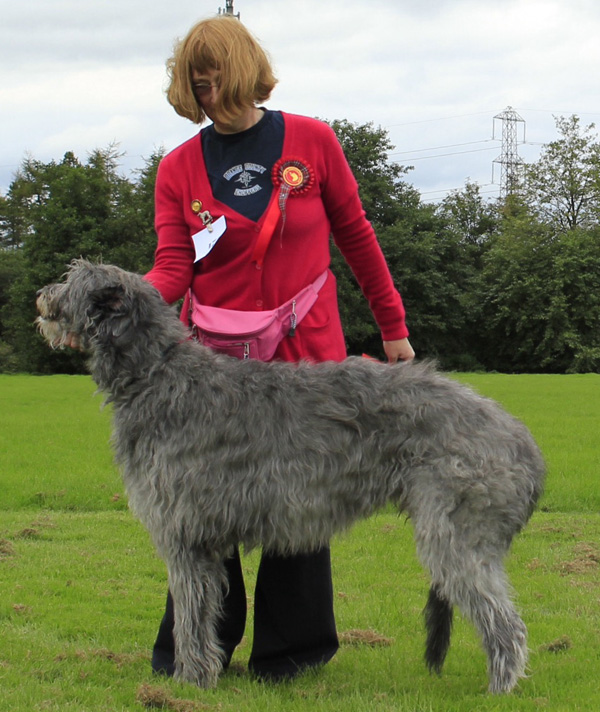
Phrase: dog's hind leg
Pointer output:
(438, 620)
(483, 597)
(502, 631)
(197, 585)
(466, 575)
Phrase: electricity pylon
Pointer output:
(228, 9)
(510, 161)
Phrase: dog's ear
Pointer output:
(109, 312)
(108, 300)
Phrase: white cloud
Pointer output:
(78, 75)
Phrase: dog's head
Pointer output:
(93, 302)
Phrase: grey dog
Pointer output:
(217, 452)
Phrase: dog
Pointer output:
(217, 452)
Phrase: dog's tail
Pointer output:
(438, 621)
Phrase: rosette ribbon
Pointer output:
(291, 177)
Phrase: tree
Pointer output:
(563, 186)
(435, 273)
(540, 298)
(11, 272)
(60, 211)
(383, 192)
(472, 219)
(143, 204)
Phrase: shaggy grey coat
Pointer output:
(217, 452)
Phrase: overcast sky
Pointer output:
(76, 75)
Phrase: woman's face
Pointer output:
(206, 90)
(206, 87)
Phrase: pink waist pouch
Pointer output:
(251, 334)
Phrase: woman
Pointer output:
(244, 212)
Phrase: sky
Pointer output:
(78, 75)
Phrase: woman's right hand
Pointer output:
(399, 350)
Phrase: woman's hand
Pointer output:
(399, 350)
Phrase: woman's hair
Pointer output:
(221, 43)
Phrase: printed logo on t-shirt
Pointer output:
(246, 175)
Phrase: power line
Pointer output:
(449, 190)
(441, 118)
(556, 111)
(436, 200)
(454, 153)
(439, 148)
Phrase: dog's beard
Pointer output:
(53, 333)
(48, 326)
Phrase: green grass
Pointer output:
(82, 591)
(54, 443)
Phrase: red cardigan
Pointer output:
(227, 277)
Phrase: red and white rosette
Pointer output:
(292, 176)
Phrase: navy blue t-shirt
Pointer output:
(239, 165)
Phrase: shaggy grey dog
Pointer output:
(217, 452)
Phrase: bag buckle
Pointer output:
(293, 320)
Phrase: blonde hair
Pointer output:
(221, 43)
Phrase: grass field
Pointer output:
(81, 590)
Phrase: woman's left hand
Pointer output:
(399, 350)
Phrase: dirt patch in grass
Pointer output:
(6, 549)
(586, 558)
(119, 659)
(21, 608)
(156, 697)
(558, 646)
(34, 530)
(365, 637)
(27, 533)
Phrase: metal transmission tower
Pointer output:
(510, 161)
(228, 9)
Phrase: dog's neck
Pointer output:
(119, 371)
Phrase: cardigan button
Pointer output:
(259, 303)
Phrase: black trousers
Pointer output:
(294, 625)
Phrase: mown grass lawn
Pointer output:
(82, 591)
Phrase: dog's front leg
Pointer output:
(197, 585)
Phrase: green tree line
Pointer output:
(510, 285)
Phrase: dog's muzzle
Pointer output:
(47, 322)
(43, 302)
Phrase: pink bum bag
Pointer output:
(251, 334)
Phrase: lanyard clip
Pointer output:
(207, 219)
(204, 215)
